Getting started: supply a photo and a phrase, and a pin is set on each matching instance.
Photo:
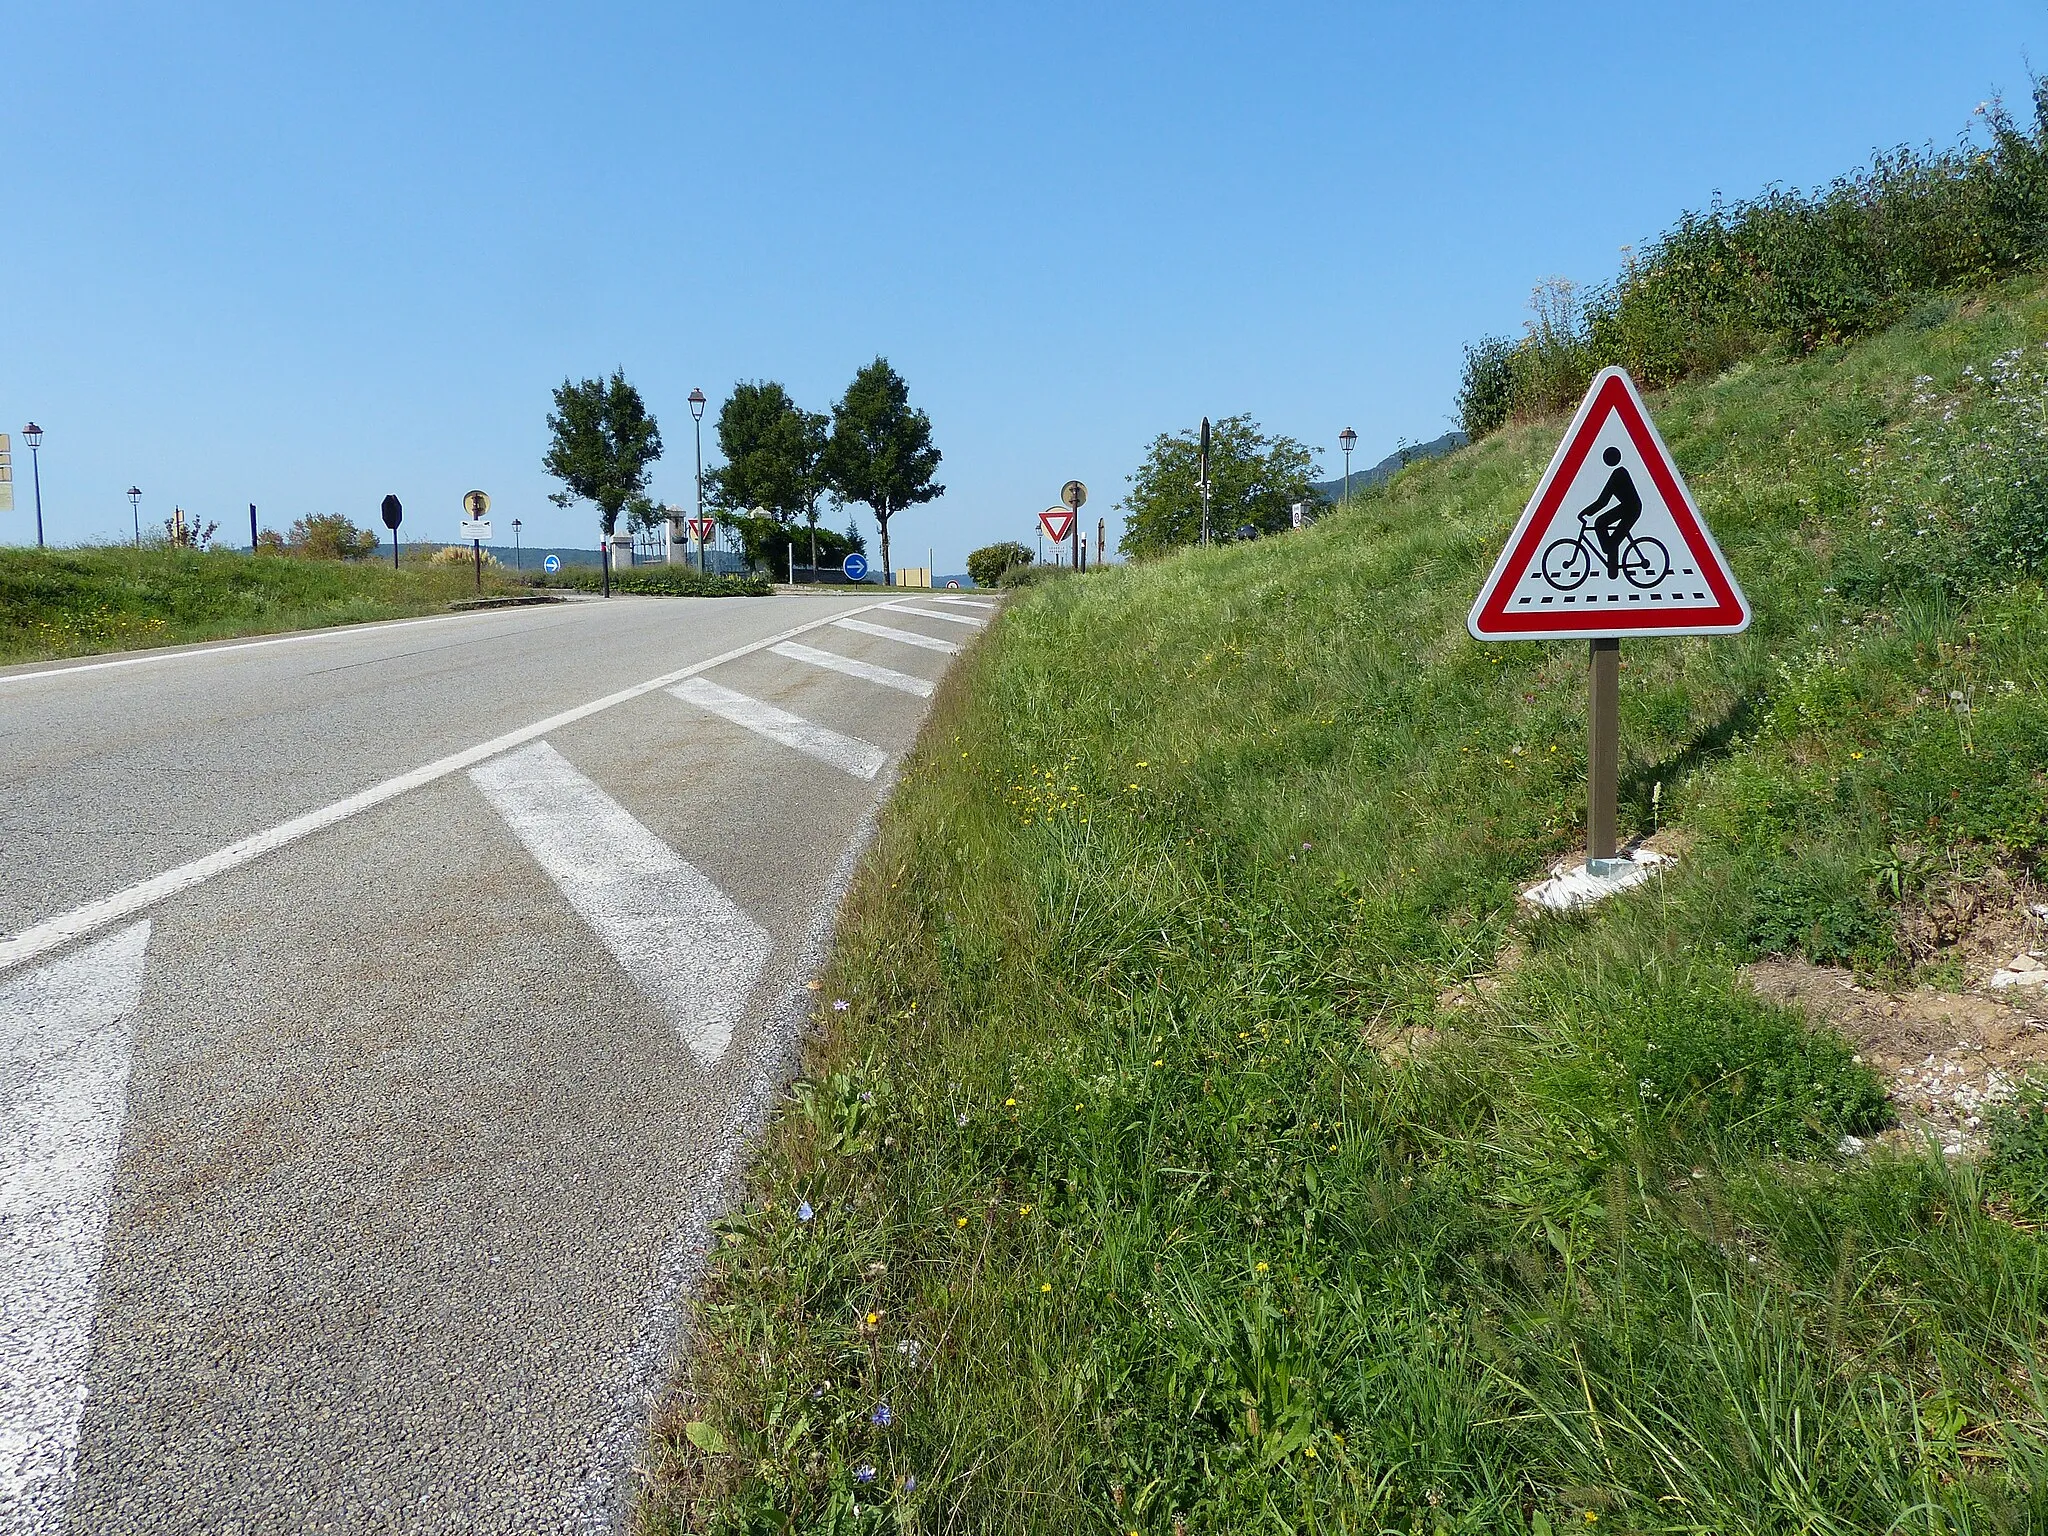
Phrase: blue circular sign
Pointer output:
(856, 566)
(552, 564)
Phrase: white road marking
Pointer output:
(64, 1056)
(49, 934)
(680, 938)
(908, 637)
(867, 671)
(964, 602)
(858, 758)
(926, 613)
(333, 632)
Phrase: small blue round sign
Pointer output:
(856, 566)
(552, 564)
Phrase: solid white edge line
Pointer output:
(866, 671)
(52, 933)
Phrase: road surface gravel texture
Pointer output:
(381, 1014)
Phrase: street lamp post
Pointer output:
(135, 511)
(1347, 440)
(33, 436)
(697, 415)
(517, 563)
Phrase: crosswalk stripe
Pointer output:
(679, 937)
(908, 637)
(858, 758)
(964, 602)
(926, 613)
(867, 671)
(65, 1049)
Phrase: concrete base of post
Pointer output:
(1573, 886)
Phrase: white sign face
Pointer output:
(1611, 544)
(6, 473)
(479, 532)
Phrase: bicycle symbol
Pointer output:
(1567, 563)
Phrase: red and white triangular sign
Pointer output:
(1611, 543)
(1057, 523)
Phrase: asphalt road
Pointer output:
(381, 1012)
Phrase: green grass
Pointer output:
(1160, 1174)
(76, 602)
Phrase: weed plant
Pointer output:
(1784, 273)
(1200, 1138)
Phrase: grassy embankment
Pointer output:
(1209, 1143)
(75, 602)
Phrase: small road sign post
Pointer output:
(394, 514)
(476, 504)
(855, 566)
(1611, 544)
(1074, 496)
(1202, 479)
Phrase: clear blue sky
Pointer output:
(305, 255)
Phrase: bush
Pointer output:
(330, 536)
(987, 564)
(1030, 575)
(681, 581)
(1786, 271)
(1487, 395)
(459, 554)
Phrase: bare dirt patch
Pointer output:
(1942, 1056)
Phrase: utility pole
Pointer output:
(33, 436)
(1347, 440)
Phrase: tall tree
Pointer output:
(774, 454)
(1254, 481)
(880, 452)
(604, 443)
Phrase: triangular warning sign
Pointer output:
(1057, 522)
(1611, 543)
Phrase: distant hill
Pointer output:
(1333, 490)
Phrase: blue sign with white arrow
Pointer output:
(856, 566)
(552, 564)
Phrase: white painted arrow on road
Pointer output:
(64, 1056)
(679, 937)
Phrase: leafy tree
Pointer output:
(987, 564)
(604, 444)
(330, 536)
(765, 543)
(774, 454)
(1254, 481)
(880, 452)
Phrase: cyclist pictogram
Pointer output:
(1606, 536)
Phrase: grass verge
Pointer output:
(1198, 1138)
(78, 602)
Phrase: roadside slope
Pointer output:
(1206, 1142)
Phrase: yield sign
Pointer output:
(1057, 523)
(702, 528)
(1611, 543)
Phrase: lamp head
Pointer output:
(1348, 438)
(32, 435)
(697, 403)
(135, 493)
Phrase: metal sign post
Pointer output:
(1202, 480)
(1610, 544)
(476, 504)
(1074, 495)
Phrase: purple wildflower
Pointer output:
(804, 1211)
(882, 1416)
(864, 1473)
